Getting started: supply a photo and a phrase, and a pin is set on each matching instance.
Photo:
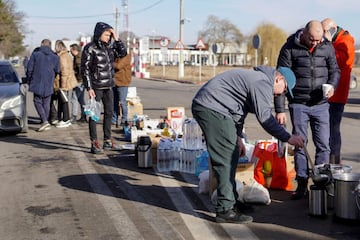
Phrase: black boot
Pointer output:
(301, 189)
(82, 118)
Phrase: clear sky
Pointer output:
(70, 18)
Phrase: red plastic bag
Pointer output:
(270, 170)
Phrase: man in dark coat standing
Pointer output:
(97, 71)
(42, 68)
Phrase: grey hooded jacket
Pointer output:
(237, 92)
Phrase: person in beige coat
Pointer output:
(66, 82)
(122, 77)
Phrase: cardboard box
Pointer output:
(176, 116)
(135, 109)
(132, 92)
(245, 172)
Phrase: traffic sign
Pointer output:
(164, 42)
(256, 41)
(179, 45)
(214, 48)
(200, 44)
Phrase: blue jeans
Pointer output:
(318, 117)
(78, 98)
(336, 111)
(120, 94)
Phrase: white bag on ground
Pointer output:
(204, 182)
(255, 193)
(239, 189)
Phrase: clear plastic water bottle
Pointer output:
(161, 156)
(176, 154)
(202, 162)
(165, 154)
(192, 134)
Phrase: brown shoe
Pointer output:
(95, 147)
(110, 145)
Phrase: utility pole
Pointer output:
(181, 59)
(116, 22)
(126, 22)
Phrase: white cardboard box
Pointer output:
(132, 93)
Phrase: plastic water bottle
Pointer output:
(164, 155)
(192, 134)
(188, 160)
(202, 162)
(176, 154)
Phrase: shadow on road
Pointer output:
(119, 186)
(38, 143)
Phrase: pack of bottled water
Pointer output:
(192, 135)
(167, 155)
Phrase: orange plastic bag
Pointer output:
(270, 170)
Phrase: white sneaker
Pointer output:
(44, 127)
(63, 124)
(54, 122)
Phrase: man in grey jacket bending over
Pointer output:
(220, 108)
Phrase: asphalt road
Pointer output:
(53, 188)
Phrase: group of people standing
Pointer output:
(320, 53)
(52, 76)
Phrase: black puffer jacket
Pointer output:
(97, 60)
(311, 71)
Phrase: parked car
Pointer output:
(353, 81)
(13, 114)
(15, 62)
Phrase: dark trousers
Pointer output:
(336, 111)
(42, 106)
(107, 98)
(53, 109)
(221, 142)
(63, 108)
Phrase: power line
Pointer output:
(144, 9)
(89, 16)
(99, 15)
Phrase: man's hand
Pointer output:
(241, 146)
(330, 93)
(113, 34)
(92, 93)
(281, 117)
(296, 140)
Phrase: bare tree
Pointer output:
(272, 39)
(11, 29)
(222, 32)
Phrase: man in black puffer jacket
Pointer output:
(312, 59)
(98, 76)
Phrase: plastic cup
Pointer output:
(326, 88)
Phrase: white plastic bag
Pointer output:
(239, 190)
(255, 193)
(204, 182)
(93, 109)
